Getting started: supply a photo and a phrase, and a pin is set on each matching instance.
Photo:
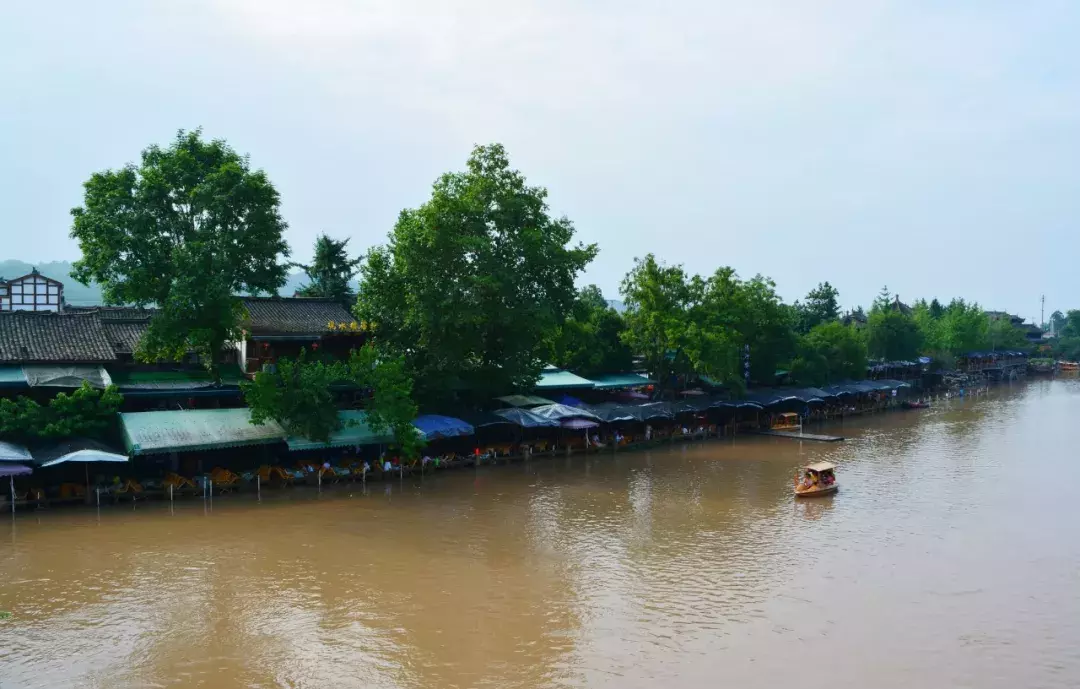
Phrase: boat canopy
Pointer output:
(821, 466)
(525, 418)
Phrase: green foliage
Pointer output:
(965, 328)
(936, 309)
(187, 229)
(331, 271)
(821, 306)
(473, 281)
(683, 325)
(590, 341)
(830, 352)
(1071, 327)
(892, 335)
(1004, 335)
(301, 396)
(86, 412)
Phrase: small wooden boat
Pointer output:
(1068, 366)
(817, 480)
(915, 405)
(786, 422)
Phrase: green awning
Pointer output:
(153, 432)
(355, 432)
(554, 379)
(173, 379)
(616, 381)
(12, 377)
(525, 400)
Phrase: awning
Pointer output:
(354, 432)
(152, 432)
(526, 419)
(14, 470)
(433, 426)
(77, 450)
(524, 400)
(554, 379)
(558, 412)
(177, 381)
(10, 452)
(614, 413)
(578, 423)
(12, 377)
(618, 381)
(483, 419)
(66, 376)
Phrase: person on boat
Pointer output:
(808, 480)
(618, 438)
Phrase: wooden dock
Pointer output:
(801, 436)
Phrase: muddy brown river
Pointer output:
(949, 558)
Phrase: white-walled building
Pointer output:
(32, 292)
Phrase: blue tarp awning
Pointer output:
(525, 418)
(433, 426)
(10, 452)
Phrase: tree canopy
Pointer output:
(84, 412)
(186, 229)
(830, 352)
(473, 281)
(303, 395)
(331, 271)
(820, 306)
(590, 341)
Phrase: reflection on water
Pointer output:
(947, 559)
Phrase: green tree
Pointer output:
(660, 304)
(830, 352)
(964, 327)
(331, 271)
(1057, 322)
(186, 229)
(1071, 328)
(821, 306)
(936, 309)
(892, 335)
(931, 327)
(1002, 334)
(303, 395)
(590, 341)
(85, 412)
(473, 281)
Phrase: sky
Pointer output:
(933, 147)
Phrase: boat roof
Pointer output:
(820, 466)
(790, 413)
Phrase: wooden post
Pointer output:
(11, 481)
(170, 493)
(258, 485)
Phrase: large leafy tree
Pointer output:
(964, 327)
(473, 281)
(893, 336)
(821, 306)
(303, 395)
(1057, 322)
(1071, 328)
(590, 341)
(830, 352)
(331, 271)
(186, 229)
(84, 412)
(661, 301)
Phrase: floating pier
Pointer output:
(801, 436)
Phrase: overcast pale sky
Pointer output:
(932, 146)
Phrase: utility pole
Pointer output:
(1042, 310)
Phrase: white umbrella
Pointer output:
(82, 451)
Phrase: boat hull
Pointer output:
(817, 492)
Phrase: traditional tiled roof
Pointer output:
(40, 337)
(293, 315)
(123, 325)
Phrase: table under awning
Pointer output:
(154, 432)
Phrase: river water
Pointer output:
(950, 558)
